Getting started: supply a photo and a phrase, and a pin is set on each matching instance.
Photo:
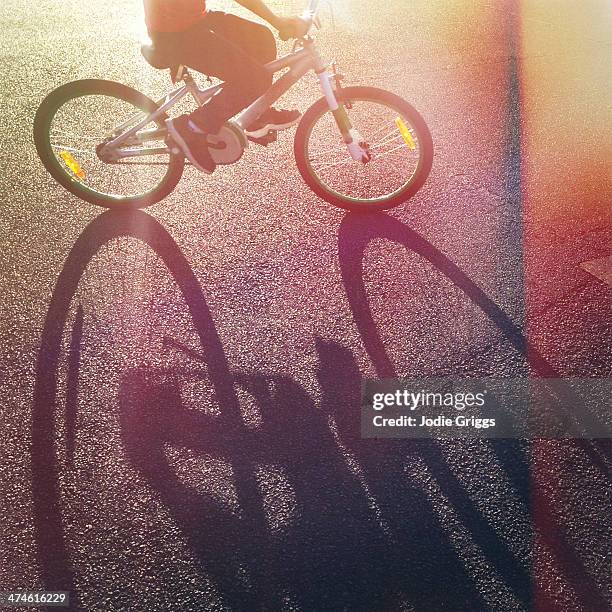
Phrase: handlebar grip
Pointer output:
(293, 32)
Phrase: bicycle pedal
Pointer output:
(264, 141)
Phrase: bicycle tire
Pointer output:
(42, 125)
(369, 94)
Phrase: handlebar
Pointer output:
(311, 12)
(309, 17)
(313, 7)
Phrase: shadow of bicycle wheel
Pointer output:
(56, 570)
(355, 234)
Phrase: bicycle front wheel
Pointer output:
(74, 121)
(396, 136)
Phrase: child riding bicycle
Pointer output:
(225, 46)
(357, 147)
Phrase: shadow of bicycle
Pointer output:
(362, 535)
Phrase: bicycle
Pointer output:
(358, 148)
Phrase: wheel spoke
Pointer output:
(336, 164)
(385, 153)
(77, 136)
(386, 142)
(387, 138)
(378, 131)
(337, 149)
(140, 163)
(73, 150)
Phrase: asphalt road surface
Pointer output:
(180, 387)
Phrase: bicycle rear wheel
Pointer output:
(398, 140)
(73, 121)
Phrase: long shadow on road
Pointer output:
(356, 233)
(362, 536)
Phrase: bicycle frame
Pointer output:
(299, 62)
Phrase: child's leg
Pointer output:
(234, 50)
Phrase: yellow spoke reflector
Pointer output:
(405, 132)
(72, 164)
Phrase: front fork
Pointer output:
(357, 147)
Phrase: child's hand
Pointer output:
(291, 27)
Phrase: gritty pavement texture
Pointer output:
(179, 388)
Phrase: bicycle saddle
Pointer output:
(156, 58)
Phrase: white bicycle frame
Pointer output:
(304, 58)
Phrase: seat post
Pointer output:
(180, 73)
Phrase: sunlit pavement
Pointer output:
(180, 387)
